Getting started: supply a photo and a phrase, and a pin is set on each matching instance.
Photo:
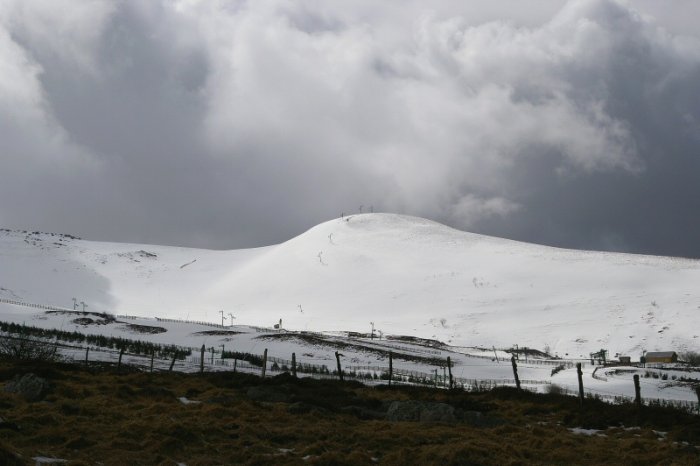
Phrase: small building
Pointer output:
(625, 360)
(661, 357)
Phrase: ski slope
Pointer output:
(408, 275)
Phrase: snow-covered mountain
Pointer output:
(408, 275)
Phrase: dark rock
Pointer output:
(422, 411)
(30, 386)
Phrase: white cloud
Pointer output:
(470, 209)
(20, 90)
(30, 134)
(68, 29)
(281, 114)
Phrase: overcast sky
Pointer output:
(229, 124)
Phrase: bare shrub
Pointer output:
(691, 357)
(28, 349)
(554, 389)
(559, 368)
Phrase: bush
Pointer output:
(27, 349)
(691, 357)
(559, 368)
(554, 389)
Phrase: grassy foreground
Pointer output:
(96, 416)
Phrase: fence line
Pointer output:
(36, 306)
(258, 329)
(322, 372)
(690, 406)
(65, 309)
(402, 348)
(198, 322)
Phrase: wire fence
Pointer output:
(197, 322)
(215, 360)
(37, 306)
(368, 375)
(685, 405)
(120, 316)
(374, 343)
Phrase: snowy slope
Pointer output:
(407, 275)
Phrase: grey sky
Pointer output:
(228, 124)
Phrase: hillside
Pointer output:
(95, 415)
(407, 275)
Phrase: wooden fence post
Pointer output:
(294, 365)
(264, 363)
(153, 355)
(579, 372)
(87, 351)
(515, 372)
(201, 360)
(235, 363)
(391, 366)
(449, 369)
(172, 363)
(119, 363)
(637, 391)
(340, 370)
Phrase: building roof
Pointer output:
(661, 354)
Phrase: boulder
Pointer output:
(30, 386)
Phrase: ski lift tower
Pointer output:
(600, 356)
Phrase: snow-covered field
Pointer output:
(407, 275)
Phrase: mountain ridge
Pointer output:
(407, 275)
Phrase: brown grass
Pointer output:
(100, 417)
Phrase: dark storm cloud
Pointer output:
(231, 124)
